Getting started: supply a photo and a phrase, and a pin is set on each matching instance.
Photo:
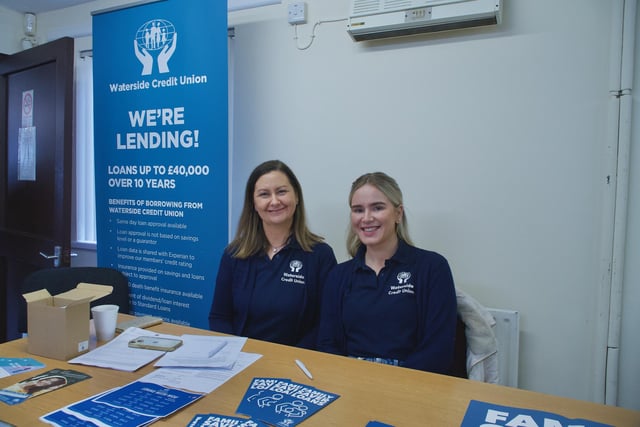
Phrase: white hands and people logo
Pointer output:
(403, 277)
(156, 37)
(295, 266)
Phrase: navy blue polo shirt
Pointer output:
(380, 313)
(275, 300)
(407, 312)
(279, 293)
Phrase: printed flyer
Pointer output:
(281, 402)
(40, 384)
(18, 365)
(136, 404)
(215, 420)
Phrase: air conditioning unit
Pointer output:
(376, 19)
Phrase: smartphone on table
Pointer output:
(155, 343)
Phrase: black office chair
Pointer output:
(459, 367)
(58, 280)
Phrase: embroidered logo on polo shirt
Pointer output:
(294, 277)
(403, 286)
(295, 266)
(403, 277)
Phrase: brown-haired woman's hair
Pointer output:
(390, 188)
(51, 383)
(250, 238)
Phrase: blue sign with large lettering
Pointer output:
(485, 414)
(161, 152)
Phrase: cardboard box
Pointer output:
(58, 326)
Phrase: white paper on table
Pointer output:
(204, 351)
(116, 354)
(199, 380)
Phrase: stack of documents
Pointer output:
(204, 351)
(202, 364)
(116, 354)
(197, 351)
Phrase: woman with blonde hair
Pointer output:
(391, 302)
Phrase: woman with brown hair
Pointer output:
(270, 278)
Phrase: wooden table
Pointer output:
(368, 391)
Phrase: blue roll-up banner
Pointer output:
(161, 152)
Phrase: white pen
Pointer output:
(304, 369)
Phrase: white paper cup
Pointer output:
(105, 318)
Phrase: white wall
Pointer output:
(497, 137)
(11, 24)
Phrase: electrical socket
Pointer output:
(297, 13)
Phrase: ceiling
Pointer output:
(39, 6)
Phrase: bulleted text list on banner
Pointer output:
(161, 152)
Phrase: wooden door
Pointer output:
(36, 119)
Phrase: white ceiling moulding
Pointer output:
(232, 5)
(248, 4)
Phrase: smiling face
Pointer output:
(373, 217)
(274, 199)
(48, 381)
